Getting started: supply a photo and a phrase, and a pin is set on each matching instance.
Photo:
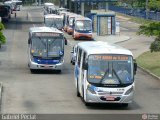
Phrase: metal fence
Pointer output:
(141, 13)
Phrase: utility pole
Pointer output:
(36, 2)
(39, 2)
(147, 9)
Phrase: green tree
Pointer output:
(154, 4)
(152, 29)
(2, 37)
(133, 3)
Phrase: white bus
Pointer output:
(53, 20)
(82, 28)
(47, 7)
(45, 49)
(104, 73)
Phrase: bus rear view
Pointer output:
(46, 49)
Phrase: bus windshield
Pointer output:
(3, 11)
(110, 69)
(54, 22)
(83, 25)
(47, 47)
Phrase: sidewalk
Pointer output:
(111, 38)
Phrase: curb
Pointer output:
(124, 40)
(0, 95)
(147, 71)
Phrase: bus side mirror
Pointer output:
(29, 41)
(135, 67)
(65, 40)
(73, 24)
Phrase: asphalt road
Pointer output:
(49, 92)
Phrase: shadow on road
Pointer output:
(108, 106)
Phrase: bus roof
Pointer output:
(48, 4)
(44, 29)
(82, 18)
(99, 47)
(53, 16)
(7, 2)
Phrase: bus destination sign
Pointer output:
(46, 34)
(110, 57)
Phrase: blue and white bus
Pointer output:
(104, 73)
(45, 49)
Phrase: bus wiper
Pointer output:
(104, 75)
(54, 24)
(42, 41)
(36, 56)
(120, 81)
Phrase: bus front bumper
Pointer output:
(33, 65)
(78, 35)
(94, 98)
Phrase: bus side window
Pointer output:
(79, 56)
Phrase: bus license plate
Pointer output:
(48, 66)
(110, 98)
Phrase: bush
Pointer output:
(155, 46)
(1, 26)
(2, 37)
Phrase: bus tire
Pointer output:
(86, 103)
(78, 94)
(32, 70)
(59, 71)
(125, 104)
(73, 63)
(74, 37)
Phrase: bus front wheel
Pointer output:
(59, 71)
(86, 103)
(78, 94)
(125, 104)
(32, 70)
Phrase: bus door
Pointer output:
(80, 72)
(83, 74)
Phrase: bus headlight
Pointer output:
(129, 91)
(91, 89)
(32, 58)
